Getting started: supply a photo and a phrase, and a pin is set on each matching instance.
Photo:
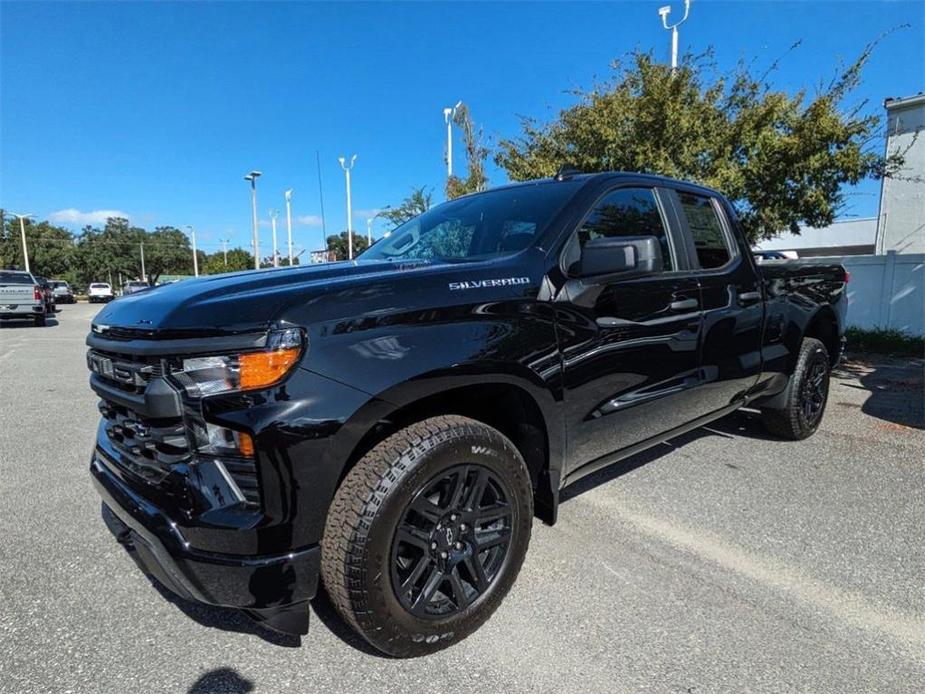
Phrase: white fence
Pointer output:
(885, 291)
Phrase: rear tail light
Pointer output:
(37, 293)
(847, 277)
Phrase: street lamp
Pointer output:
(369, 232)
(448, 115)
(192, 234)
(663, 12)
(252, 177)
(347, 169)
(273, 215)
(289, 222)
(22, 230)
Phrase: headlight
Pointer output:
(247, 371)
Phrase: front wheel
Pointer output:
(427, 533)
(807, 395)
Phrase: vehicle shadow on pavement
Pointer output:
(742, 423)
(897, 390)
(223, 679)
(28, 324)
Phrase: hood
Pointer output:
(238, 302)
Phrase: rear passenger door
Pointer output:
(730, 298)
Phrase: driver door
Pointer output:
(629, 346)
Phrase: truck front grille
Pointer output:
(149, 448)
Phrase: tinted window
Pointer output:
(706, 229)
(15, 278)
(627, 212)
(484, 225)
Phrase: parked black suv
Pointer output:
(392, 424)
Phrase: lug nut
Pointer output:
(443, 555)
(459, 545)
(462, 527)
(433, 545)
(453, 517)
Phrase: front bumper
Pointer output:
(253, 583)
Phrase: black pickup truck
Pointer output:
(392, 425)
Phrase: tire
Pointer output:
(393, 522)
(807, 395)
(40, 321)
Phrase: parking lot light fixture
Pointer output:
(289, 222)
(252, 177)
(273, 215)
(347, 169)
(663, 12)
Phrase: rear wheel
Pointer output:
(807, 395)
(426, 535)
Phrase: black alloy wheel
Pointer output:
(451, 542)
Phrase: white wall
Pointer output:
(885, 291)
(902, 198)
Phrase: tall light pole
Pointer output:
(141, 248)
(192, 233)
(347, 169)
(448, 115)
(22, 231)
(289, 222)
(273, 215)
(369, 232)
(252, 177)
(663, 13)
(225, 250)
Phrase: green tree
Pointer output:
(238, 259)
(782, 160)
(339, 245)
(417, 203)
(476, 153)
(51, 248)
(167, 252)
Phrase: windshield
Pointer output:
(15, 278)
(485, 225)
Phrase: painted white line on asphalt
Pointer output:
(854, 608)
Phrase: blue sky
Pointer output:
(157, 110)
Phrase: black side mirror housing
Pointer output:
(621, 257)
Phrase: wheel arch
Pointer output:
(528, 417)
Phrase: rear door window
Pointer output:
(710, 240)
(15, 278)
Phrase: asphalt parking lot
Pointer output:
(727, 561)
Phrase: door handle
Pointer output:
(749, 296)
(683, 304)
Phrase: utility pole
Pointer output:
(289, 222)
(192, 233)
(141, 246)
(22, 231)
(663, 13)
(448, 115)
(347, 170)
(252, 177)
(225, 250)
(369, 232)
(273, 215)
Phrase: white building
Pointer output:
(901, 226)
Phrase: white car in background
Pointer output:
(99, 292)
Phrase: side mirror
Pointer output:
(626, 256)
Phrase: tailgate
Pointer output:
(17, 294)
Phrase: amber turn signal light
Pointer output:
(261, 369)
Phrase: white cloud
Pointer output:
(367, 214)
(74, 216)
(309, 220)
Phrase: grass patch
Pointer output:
(885, 342)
